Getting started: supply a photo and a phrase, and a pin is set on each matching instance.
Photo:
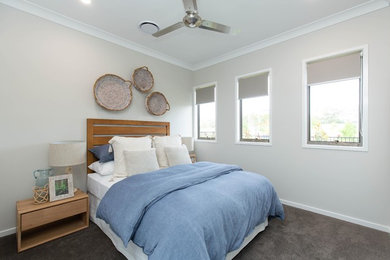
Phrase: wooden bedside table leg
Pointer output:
(86, 215)
(18, 233)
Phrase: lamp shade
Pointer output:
(67, 153)
(189, 142)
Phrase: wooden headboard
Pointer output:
(100, 131)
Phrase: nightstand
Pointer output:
(193, 157)
(40, 223)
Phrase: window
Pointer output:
(205, 111)
(335, 112)
(254, 108)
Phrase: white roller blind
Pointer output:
(335, 68)
(253, 86)
(205, 95)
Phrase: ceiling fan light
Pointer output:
(192, 20)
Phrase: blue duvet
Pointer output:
(194, 211)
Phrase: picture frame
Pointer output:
(61, 187)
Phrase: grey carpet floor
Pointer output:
(302, 235)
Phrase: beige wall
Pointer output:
(47, 74)
(354, 184)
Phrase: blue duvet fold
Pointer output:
(194, 211)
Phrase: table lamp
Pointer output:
(67, 154)
(189, 142)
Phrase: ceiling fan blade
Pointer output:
(213, 26)
(190, 5)
(168, 29)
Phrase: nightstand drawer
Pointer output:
(51, 214)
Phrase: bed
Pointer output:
(99, 132)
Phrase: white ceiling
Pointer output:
(255, 23)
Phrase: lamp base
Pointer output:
(69, 170)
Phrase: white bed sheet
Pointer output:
(98, 185)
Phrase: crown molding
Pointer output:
(299, 31)
(55, 17)
(58, 18)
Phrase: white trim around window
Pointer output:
(195, 112)
(237, 109)
(364, 100)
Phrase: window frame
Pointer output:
(238, 109)
(196, 113)
(363, 105)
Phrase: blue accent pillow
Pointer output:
(102, 153)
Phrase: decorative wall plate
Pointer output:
(143, 79)
(156, 104)
(112, 92)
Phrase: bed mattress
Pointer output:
(97, 187)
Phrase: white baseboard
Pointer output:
(7, 232)
(337, 216)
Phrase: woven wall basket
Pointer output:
(112, 92)
(156, 104)
(143, 79)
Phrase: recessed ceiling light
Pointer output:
(86, 2)
(148, 27)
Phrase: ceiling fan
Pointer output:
(193, 20)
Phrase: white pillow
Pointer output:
(120, 144)
(106, 168)
(177, 155)
(140, 161)
(160, 142)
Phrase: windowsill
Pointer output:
(206, 140)
(254, 143)
(336, 147)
